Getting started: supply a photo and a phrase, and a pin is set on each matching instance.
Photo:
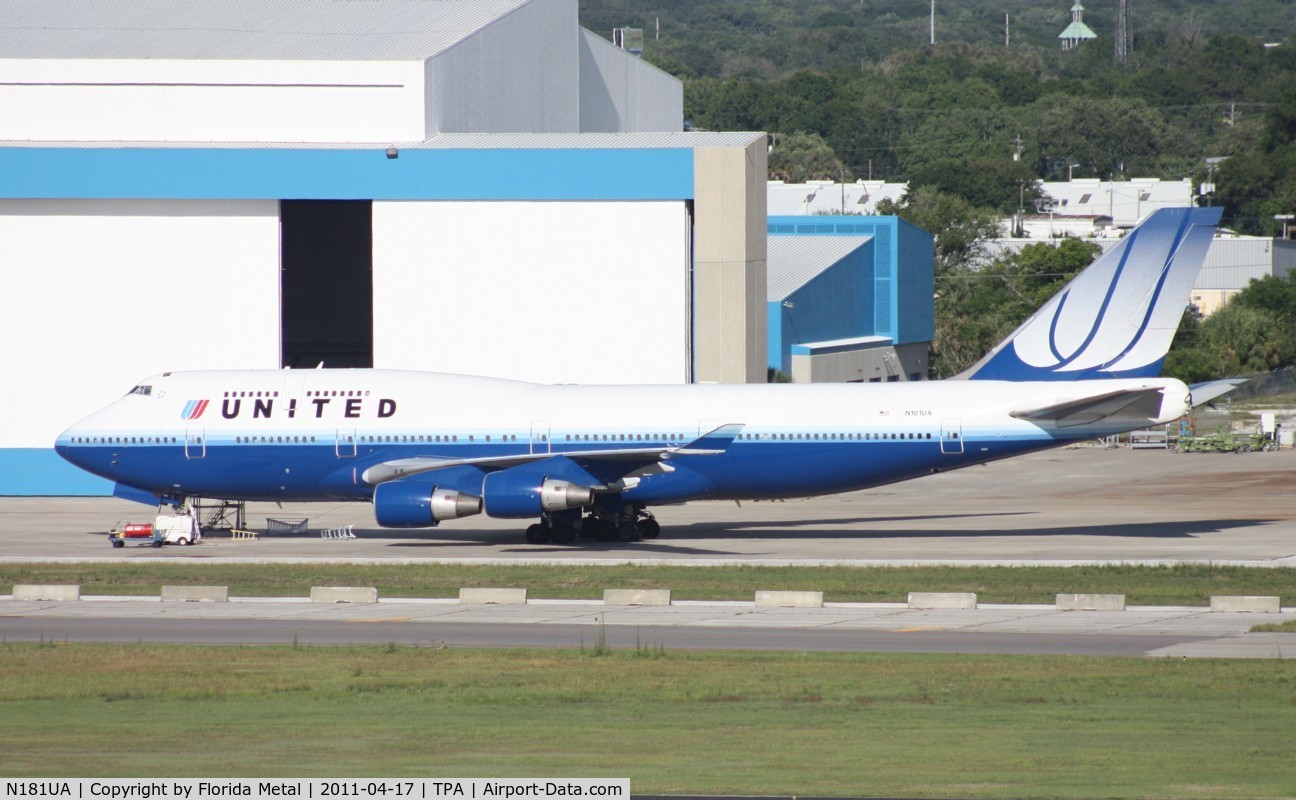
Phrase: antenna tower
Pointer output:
(1124, 35)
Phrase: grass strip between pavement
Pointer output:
(1188, 585)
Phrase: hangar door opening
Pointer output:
(326, 283)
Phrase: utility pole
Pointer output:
(933, 21)
(1007, 31)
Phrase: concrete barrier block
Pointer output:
(924, 600)
(196, 594)
(1259, 604)
(1091, 602)
(41, 591)
(790, 599)
(344, 594)
(500, 597)
(636, 597)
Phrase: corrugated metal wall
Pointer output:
(550, 292)
(623, 95)
(104, 293)
(1233, 263)
(211, 101)
(520, 73)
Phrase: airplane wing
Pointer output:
(1087, 410)
(711, 443)
(1203, 393)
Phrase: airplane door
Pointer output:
(951, 436)
(195, 442)
(345, 445)
(294, 387)
(540, 437)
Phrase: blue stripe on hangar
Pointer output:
(346, 174)
(39, 471)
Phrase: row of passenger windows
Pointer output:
(124, 440)
(831, 437)
(508, 437)
(272, 393)
(448, 438)
(624, 437)
(274, 439)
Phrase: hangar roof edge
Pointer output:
(242, 29)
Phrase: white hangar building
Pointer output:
(475, 186)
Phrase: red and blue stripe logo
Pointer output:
(194, 409)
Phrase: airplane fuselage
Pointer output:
(309, 435)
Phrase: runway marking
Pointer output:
(918, 629)
(386, 619)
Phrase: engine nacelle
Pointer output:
(419, 504)
(519, 495)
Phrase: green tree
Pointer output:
(1107, 137)
(1189, 359)
(998, 183)
(1257, 185)
(1246, 339)
(799, 157)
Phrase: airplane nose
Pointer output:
(65, 444)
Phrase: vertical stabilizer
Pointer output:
(1116, 319)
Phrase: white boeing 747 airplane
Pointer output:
(590, 460)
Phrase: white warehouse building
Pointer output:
(476, 186)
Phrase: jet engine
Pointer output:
(420, 504)
(514, 494)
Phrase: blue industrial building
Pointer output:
(849, 298)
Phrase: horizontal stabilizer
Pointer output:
(1087, 410)
(1203, 393)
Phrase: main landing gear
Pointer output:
(628, 524)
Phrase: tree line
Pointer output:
(853, 90)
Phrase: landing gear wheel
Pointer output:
(649, 529)
(537, 534)
(562, 532)
(628, 532)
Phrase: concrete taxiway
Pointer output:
(1076, 505)
(852, 627)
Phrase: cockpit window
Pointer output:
(144, 390)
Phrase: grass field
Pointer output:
(713, 723)
(1179, 585)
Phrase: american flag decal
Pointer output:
(194, 409)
